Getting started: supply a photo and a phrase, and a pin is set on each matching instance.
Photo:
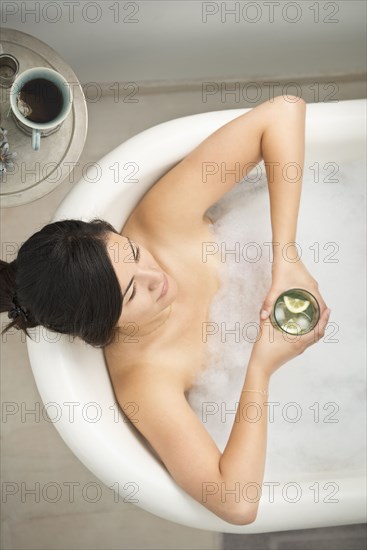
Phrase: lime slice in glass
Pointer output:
(295, 305)
(292, 327)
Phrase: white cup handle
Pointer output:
(36, 139)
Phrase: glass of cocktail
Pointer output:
(296, 311)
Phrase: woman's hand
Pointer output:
(286, 275)
(274, 348)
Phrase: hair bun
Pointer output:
(16, 310)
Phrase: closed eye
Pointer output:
(133, 292)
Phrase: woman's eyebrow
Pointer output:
(133, 277)
(137, 249)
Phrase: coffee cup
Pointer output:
(40, 100)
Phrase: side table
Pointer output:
(37, 173)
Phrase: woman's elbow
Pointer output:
(240, 516)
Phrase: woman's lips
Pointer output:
(164, 287)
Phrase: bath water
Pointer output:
(317, 400)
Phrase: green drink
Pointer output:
(296, 311)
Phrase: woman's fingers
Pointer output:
(320, 300)
(319, 330)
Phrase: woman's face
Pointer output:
(142, 281)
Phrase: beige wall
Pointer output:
(155, 40)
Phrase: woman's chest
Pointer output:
(178, 347)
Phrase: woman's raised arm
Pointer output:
(283, 150)
(180, 199)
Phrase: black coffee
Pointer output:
(44, 99)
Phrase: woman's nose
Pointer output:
(152, 277)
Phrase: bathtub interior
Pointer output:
(70, 371)
(321, 393)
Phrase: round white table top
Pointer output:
(37, 173)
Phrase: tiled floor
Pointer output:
(345, 537)
(33, 452)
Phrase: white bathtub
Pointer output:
(67, 371)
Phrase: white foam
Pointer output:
(327, 382)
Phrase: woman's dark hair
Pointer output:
(63, 279)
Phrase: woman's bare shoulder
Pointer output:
(125, 375)
(148, 375)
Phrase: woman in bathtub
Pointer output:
(143, 295)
